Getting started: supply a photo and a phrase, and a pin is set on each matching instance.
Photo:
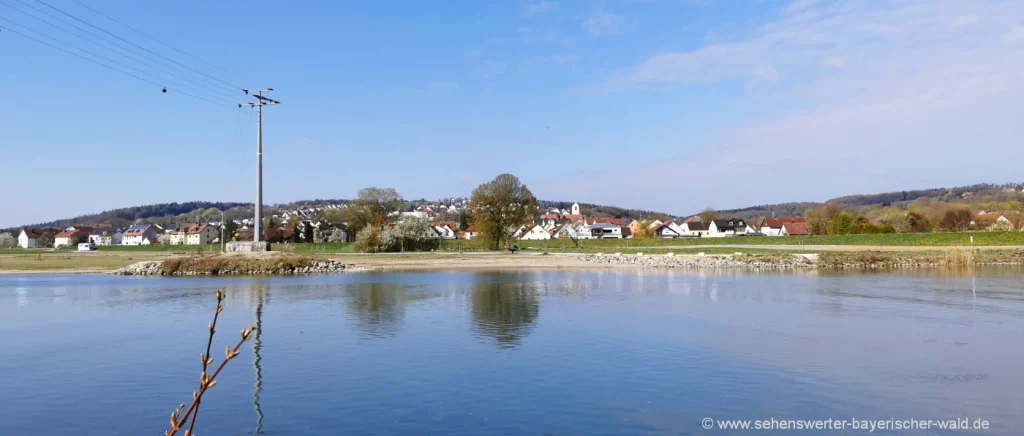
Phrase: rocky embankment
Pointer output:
(784, 261)
(234, 265)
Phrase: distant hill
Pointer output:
(978, 192)
(171, 213)
(167, 214)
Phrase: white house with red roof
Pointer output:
(139, 234)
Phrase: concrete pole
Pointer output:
(257, 233)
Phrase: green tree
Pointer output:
(644, 230)
(464, 219)
(500, 206)
(841, 224)
(369, 240)
(374, 207)
(818, 218)
(271, 232)
(230, 229)
(307, 232)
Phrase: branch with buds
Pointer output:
(178, 418)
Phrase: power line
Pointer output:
(150, 37)
(139, 46)
(220, 94)
(105, 65)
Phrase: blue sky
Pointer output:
(671, 105)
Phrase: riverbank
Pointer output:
(133, 263)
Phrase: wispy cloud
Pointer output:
(540, 8)
(489, 68)
(902, 80)
(605, 23)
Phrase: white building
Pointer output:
(106, 236)
(773, 226)
(727, 227)
(444, 231)
(139, 234)
(601, 231)
(575, 208)
(694, 229)
(28, 237)
(669, 230)
(531, 232)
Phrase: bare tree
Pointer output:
(707, 215)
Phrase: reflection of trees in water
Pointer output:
(504, 311)
(377, 308)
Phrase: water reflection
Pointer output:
(504, 310)
(378, 308)
(257, 345)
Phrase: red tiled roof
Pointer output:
(573, 217)
(778, 222)
(988, 216)
(693, 219)
(74, 232)
(598, 220)
(35, 233)
(796, 228)
(549, 216)
(472, 229)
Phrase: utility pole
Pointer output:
(258, 104)
(222, 224)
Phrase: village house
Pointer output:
(445, 230)
(694, 228)
(471, 232)
(726, 227)
(531, 232)
(200, 234)
(28, 238)
(992, 221)
(669, 230)
(794, 229)
(773, 226)
(600, 231)
(72, 236)
(102, 236)
(139, 234)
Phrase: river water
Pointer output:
(514, 353)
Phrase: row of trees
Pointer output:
(830, 219)
(497, 208)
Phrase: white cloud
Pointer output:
(1016, 35)
(605, 23)
(539, 8)
(764, 75)
(965, 20)
(909, 99)
(833, 62)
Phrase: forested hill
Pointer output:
(204, 211)
(977, 193)
(596, 210)
(127, 215)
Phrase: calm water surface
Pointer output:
(513, 353)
